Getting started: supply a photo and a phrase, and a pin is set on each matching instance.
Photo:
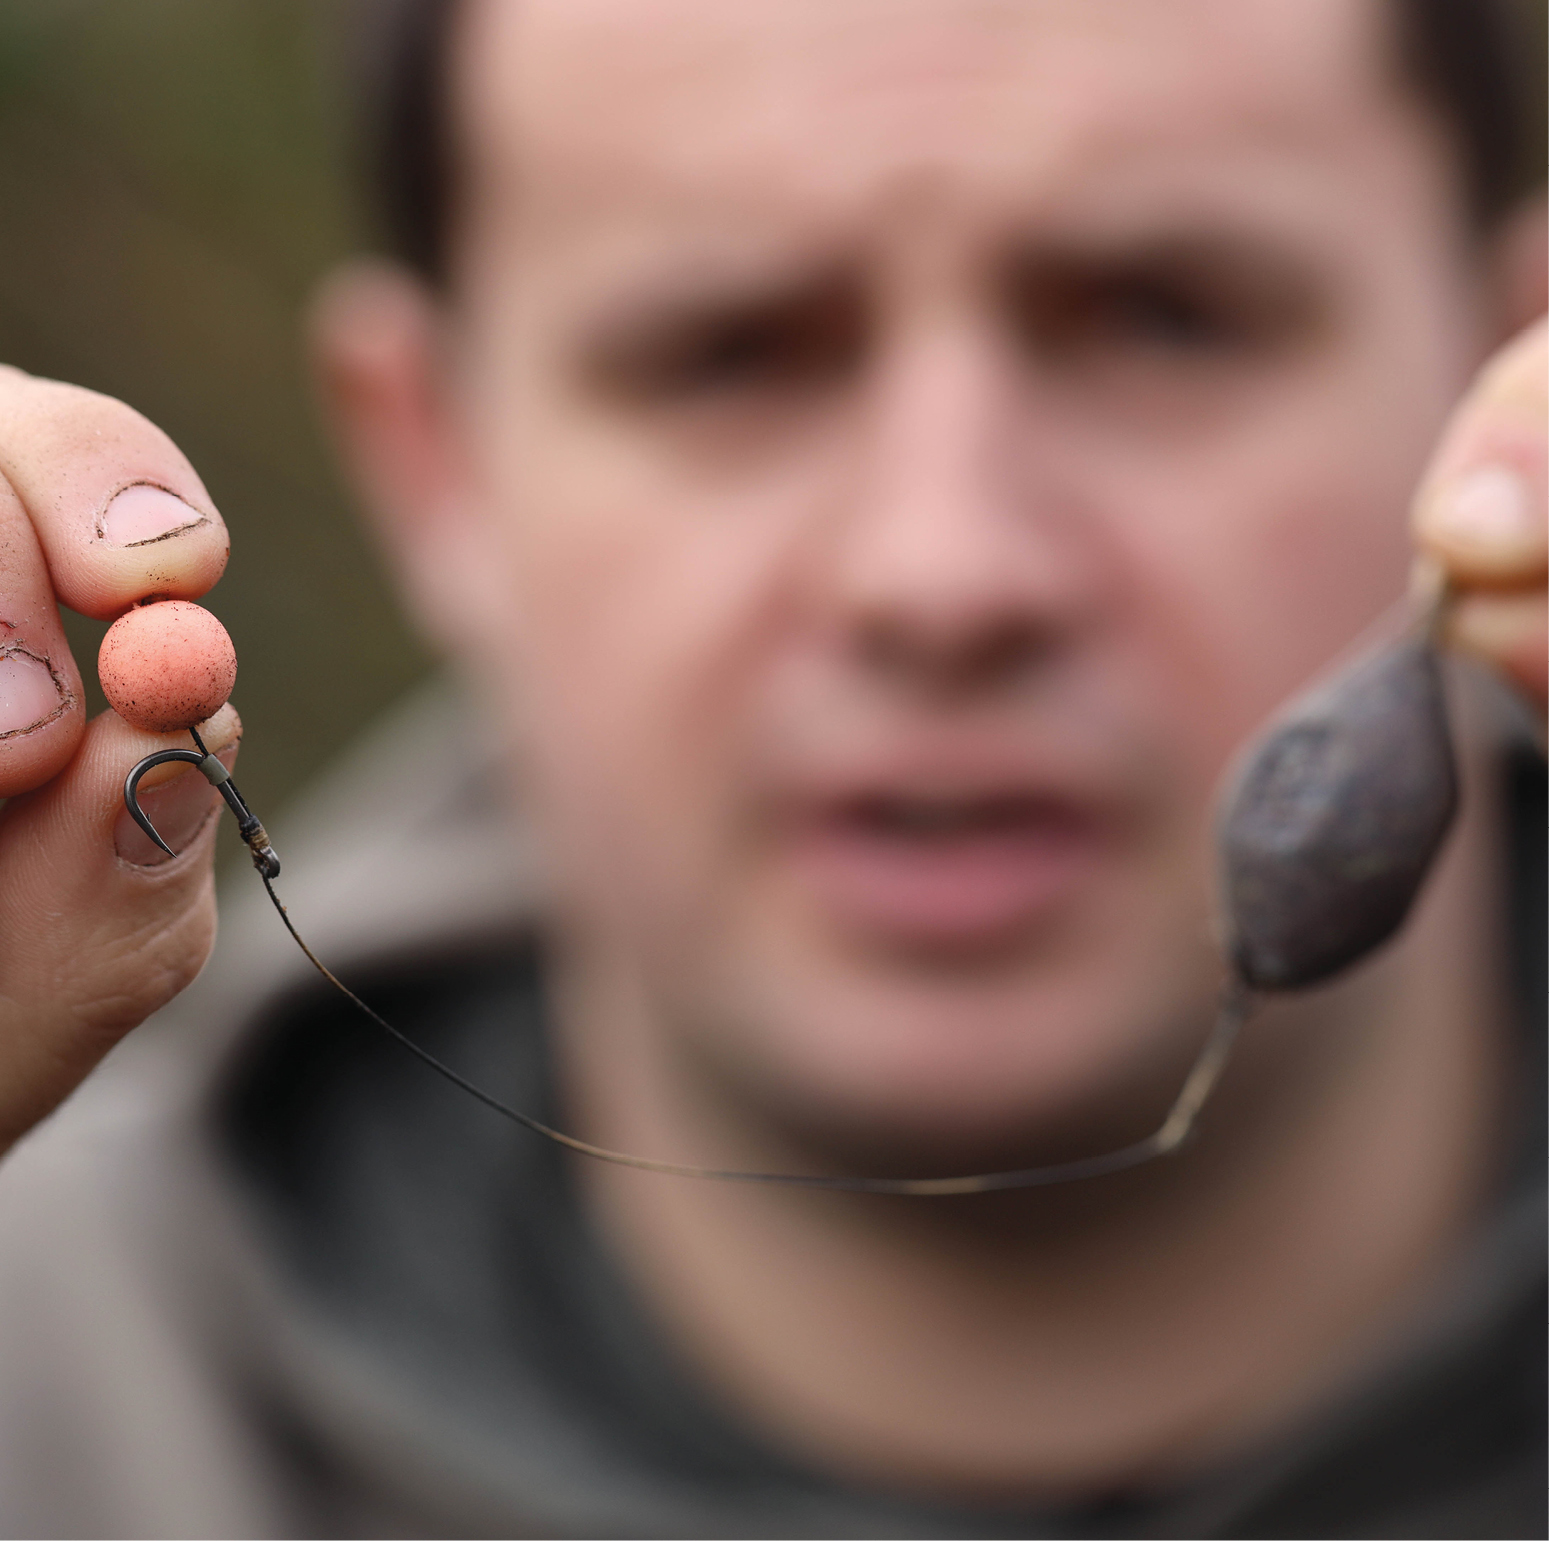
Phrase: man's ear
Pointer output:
(1521, 263)
(378, 351)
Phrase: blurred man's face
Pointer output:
(913, 444)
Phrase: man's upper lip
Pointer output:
(952, 776)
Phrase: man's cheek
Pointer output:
(631, 777)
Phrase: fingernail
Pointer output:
(178, 809)
(29, 695)
(1488, 508)
(142, 513)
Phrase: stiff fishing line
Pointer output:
(1175, 1128)
(1235, 1006)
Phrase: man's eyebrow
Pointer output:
(1216, 247)
(694, 289)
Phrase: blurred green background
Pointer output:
(172, 186)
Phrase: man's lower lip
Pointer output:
(946, 891)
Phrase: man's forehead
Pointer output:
(579, 106)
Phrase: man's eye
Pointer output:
(736, 354)
(1158, 316)
(764, 350)
(1070, 320)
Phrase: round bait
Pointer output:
(166, 666)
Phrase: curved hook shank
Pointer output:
(132, 788)
(210, 767)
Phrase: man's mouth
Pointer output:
(936, 870)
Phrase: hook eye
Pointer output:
(132, 787)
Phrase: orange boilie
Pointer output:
(167, 665)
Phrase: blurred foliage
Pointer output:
(171, 187)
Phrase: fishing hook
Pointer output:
(248, 826)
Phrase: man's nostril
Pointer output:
(968, 658)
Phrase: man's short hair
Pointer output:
(1478, 63)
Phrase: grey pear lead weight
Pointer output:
(1335, 817)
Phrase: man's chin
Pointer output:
(963, 1060)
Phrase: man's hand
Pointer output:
(1481, 513)
(97, 927)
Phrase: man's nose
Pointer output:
(963, 562)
